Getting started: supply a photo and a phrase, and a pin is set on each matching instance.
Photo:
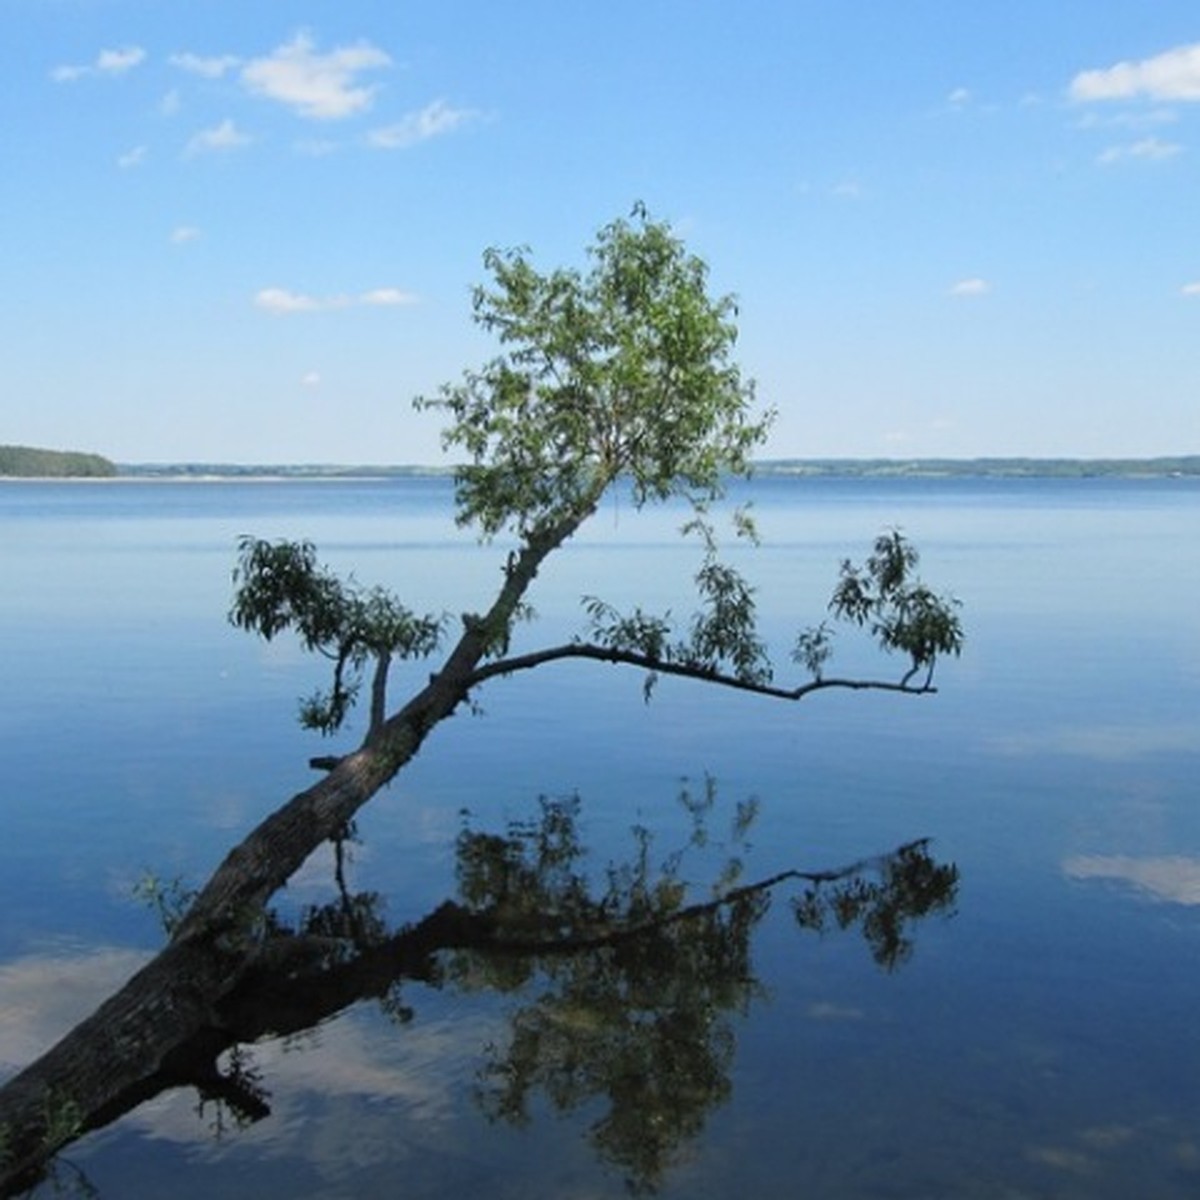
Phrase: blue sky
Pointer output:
(248, 232)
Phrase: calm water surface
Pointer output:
(1041, 1041)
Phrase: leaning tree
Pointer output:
(618, 374)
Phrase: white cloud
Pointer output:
(387, 297)
(225, 136)
(132, 158)
(431, 121)
(310, 379)
(170, 104)
(108, 62)
(1149, 149)
(959, 97)
(971, 287)
(1172, 75)
(117, 62)
(319, 86)
(212, 67)
(847, 190)
(283, 302)
(1191, 289)
(184, 233)
(279, 301)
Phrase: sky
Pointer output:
(248, 233)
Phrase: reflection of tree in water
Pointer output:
(631, 997)
(627, 986)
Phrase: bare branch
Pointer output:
(685, 670)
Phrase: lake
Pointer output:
(1033, 1034)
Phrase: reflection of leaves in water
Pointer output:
(238, 1091)
(643, 1024)
(908, 885)
(634, 992)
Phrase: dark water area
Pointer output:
(1036, 1036)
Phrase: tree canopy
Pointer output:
(624, 369)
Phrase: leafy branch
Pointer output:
(280, 585)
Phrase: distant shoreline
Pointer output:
(1174, 467)
(1181, 466)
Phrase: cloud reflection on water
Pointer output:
(1173, 879)
(1104, 743)
(45, 995)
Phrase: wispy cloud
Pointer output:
(133, 158)
(1149, 149)
(182, 234)
(108, 62)
(318, 86)
(226, 136)
(959, 97)
(1172, 75)
(283, 302)
(432, 121)
(970, 287)
(310, 379)
(387, 297)
(211, 67)
(1191, 289)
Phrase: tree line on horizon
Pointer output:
(26, 462)
(29, 462)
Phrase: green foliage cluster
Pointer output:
(902, 613)
(722, 636)
(280, 585)
(899, 611)
(168, 899)
(623, 370)
(29, 463)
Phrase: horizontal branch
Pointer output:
(685, 670)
